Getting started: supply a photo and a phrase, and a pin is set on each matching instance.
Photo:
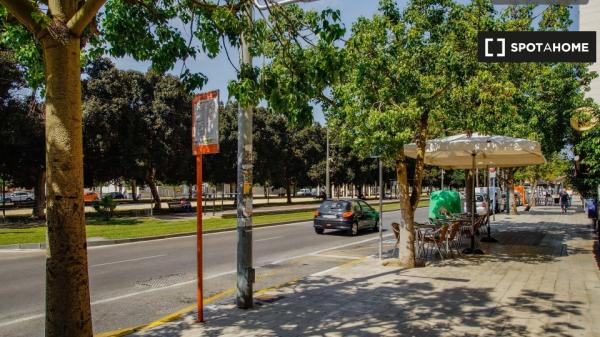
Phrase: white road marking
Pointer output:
(130, 260)
(20, 320)
(273, 238)
(116, 298)
(346, 257)
(211, 234)
(24, 250)
(327, 249)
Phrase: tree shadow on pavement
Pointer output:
(387, 303)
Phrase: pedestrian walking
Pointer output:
(564, 201)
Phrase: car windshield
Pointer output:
(335, 206)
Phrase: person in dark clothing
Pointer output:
(564, 201)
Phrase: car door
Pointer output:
(368, 213)
(359, 214)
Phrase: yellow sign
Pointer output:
(247, 187)
(584, 119)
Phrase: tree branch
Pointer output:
(84, 16)
(24, 12)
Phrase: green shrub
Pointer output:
(105, 206)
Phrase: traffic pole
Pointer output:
(327, 181)
(245, 271)
(199, 266)
(380, 209)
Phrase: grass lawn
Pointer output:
(121, 228)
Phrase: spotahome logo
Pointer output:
(536, 46)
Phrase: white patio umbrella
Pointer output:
(478, 151)
(457, 152)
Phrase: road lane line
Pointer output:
(345, 257)
(130, 260)
(273, 238)
(327, 249)
(116, 298)
(21, 320)
(217, 233)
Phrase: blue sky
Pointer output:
(219, 71)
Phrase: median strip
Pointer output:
(142, 229)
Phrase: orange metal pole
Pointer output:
(199, 293)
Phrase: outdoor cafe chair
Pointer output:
(419, 238)
(396, 229)
(453, 238)
(436, 238)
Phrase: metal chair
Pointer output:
(396, 229)
(437, 239)
(453, 239)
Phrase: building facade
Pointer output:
(589, 20)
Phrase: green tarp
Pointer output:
(444, 199)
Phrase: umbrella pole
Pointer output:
(489, 237)
(472, 249)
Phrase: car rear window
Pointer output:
(334, 206)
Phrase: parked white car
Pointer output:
(20, 197)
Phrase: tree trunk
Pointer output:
(288, 192)
(533, 194)
(67, 285)
(409, 200)
(406, 248)
(40, 195)
(154, 189)
(512, 202)
(266, 192)
(134, 194)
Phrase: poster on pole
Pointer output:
(492, 172)
(205, 123)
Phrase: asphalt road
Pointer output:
(136, 283)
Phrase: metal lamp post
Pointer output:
(327, 169)
(380, 167)
(245, 271)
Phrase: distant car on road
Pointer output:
(304, 192)
(90, 196)
(351, 215)
(20, 197)
(115, 195)
(480, 203)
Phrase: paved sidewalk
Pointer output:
(542, 279)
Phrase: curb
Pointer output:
(41, 246)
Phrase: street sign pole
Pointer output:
(327, 181)
(442, 179)
(380, 209)
(199, 258)
(245, 272)
(205, 140)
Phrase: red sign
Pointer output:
(205, 123)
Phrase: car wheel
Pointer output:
(319, 230)
(354, 229)
(376, 227)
